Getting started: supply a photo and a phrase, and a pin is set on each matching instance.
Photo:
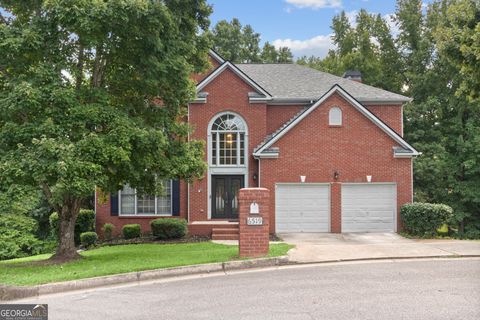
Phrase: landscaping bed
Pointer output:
(108, 260)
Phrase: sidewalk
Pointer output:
(339, 247)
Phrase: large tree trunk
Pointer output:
(67, 217)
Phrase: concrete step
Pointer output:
(225, 230)
(225, 236)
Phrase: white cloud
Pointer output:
(389, 18)
(317, 46)
(315, 4)
(352, 17)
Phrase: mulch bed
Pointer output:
(151, 239)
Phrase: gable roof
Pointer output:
(296, 83)
(238, 72)
(216, 56)
(408, 150)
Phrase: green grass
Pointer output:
(121, 259)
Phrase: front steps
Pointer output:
(226, 232)
(216, 229)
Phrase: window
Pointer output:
(133, 204)
(228, 141)
(335, 116)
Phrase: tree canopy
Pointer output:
(93, 93)
(241, 44)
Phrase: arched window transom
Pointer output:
(335, 116)
(228, 141)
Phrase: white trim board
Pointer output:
(239, 73)
(337, 89)
(216, 56)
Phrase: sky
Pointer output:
(301, 25)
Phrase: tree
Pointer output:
(442, 121)
(242, 44)
(368, 47)
(269, 53)
(228, 40)
(458, 39)
(343, 34)
(92, 93)
(251, 49)
(284, 55)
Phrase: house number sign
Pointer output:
(254, 221)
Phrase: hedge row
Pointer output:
(425, 219)
(163, 229)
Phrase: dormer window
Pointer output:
(335, 116)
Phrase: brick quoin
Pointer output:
(254, 240)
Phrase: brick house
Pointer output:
(329, 149)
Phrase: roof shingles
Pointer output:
(296, 82)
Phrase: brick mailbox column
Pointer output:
(253, 222)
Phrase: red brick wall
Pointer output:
(312, 148)
(356, 149)
(391, 115)
(103, 214)
(254, 240)
(227, 92)
(335, 207)
(277, 115)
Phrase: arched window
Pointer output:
(335, 116)
(228, 140)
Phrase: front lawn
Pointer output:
(121, 259)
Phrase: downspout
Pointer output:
(259, 173)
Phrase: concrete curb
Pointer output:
(383, 258)
(19, 292)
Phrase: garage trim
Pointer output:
(395, 214)
(308, 184)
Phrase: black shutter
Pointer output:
(175, 197)
(114, 204)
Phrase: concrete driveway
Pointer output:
(320, 247)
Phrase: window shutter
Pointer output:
(175, 198)
(114, 204)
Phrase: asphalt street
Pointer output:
(413, 289)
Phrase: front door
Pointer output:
(225, 196)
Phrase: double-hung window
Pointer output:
(132, 203)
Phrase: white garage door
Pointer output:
(369, 207)
(302, 208)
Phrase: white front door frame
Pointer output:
(224, 170)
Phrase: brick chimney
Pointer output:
(354, 75)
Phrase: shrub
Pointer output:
(168, 228)
(85, 222)
(424, 219)
(108, 231)
(88, 238)
(131, 231)
(17, 236)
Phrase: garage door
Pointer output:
(302, 208)
(368, 207)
